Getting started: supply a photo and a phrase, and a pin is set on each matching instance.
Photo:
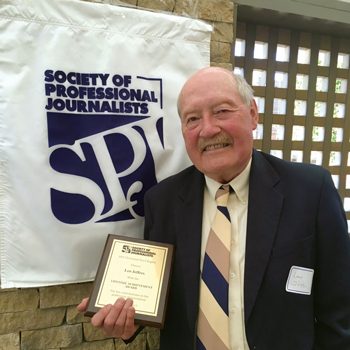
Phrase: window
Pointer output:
(337, 135)
(279, 106)
(324, 58)
(282, 53)
(281, 80)
(302, 82)
(260, 102)
(322, 84)
(300, 107)
(343, 60)
(277, 153)
(239, 71)
(277, 132)
(316, 157)
(296, 156)
(320, 109)
(341, 86)
(347, 204)
(318, 134)
(347, 184)
(335, 158)
(258, 132)
(240, 47)
(259, 77)
(298, 133)
(335, 179)
(304, 55)
(260, 50)
(339, 110)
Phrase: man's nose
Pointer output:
(209, 126)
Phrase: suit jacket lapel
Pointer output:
(189, 241)
(264, 208)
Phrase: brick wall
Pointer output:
(46, 318)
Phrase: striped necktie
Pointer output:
(213, 320)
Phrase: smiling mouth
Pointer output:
(215, 146)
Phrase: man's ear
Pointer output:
(254, 114)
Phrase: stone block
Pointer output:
(64, 295)
(138, 344)
(9, 341)
(19, 300)
(128, 2)
(212, 10)
(96, 345)
(92, 333)
(115, 2)
(220, 52)
(74, 316)
(56, 337)
(228, 66)
(17, 321)
(160, 5)
(152, 335)
(222, 32)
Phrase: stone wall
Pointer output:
(46, 318)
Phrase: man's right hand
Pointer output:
(117, 320)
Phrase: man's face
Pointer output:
(216, 124)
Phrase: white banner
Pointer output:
(88, 123)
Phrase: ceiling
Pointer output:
(294, 21)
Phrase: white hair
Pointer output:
(244, 89)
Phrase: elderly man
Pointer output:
(277, 278)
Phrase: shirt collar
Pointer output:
(240, 184)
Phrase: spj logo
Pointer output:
(99, 127)
(126, 249)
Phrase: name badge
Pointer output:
(300, 280)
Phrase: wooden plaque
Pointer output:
(136, 269)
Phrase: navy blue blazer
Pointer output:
(295, 218)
